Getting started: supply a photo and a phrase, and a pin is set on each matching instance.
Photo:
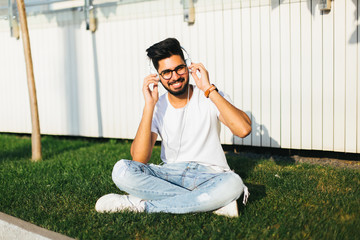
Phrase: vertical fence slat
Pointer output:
(112, 38)
(108, 80)
(211, 32)
(219, 50)
(237, 61)
(255, 73)
(228, 63)
(123, 78)
(285, 60)
(247, 58)
(317, 77)
(351, 63)
(328, 81)
(128, 54)
(358, 76)
(306, 96)
(295, 38)
(265, 76)
(275, 129)
(339, 75)
(202, 51)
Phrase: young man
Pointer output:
(195, 176)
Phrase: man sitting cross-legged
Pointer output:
(195, 176)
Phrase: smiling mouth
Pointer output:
(177, 82)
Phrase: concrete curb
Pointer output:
(15, 228)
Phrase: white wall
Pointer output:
(293, 69)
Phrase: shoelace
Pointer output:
(246, 195)
(136, 205)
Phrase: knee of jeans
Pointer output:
(234, 185)
(119, 170)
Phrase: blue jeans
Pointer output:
(177, 187)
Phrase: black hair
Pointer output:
(164, 49)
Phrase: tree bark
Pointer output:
(35, 136)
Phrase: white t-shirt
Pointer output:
(191, 133)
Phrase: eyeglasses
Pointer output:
(180, 70)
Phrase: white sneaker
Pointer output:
(116, 203)
(230, 210)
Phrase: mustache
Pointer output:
(179, 80)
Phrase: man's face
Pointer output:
(177, 84)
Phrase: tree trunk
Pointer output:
(35, 136)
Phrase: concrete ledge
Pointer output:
(14, 228)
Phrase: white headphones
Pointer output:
(187, 62)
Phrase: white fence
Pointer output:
(292, 68)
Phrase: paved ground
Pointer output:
(15, 228)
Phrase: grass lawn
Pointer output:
(287, 201)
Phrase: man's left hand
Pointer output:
(203, 81)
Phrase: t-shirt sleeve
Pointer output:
(155, 124)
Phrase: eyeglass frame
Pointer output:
(174, 70)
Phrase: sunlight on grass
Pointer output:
(287, 201)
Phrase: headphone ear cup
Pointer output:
(152, 69)
(187, 59)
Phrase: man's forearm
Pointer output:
(235, 119)
(141, 147)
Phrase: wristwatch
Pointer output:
(210, 89)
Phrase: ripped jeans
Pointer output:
(177, 187)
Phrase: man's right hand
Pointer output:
(151, 96)
(144, 141)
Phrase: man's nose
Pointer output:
(175, 76)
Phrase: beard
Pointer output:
(178, 93)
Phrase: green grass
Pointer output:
(287, 201)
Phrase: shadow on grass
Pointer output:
(283, 160)
(19, 152)
(244, 163)
(18, 147)
(257, 192)
(52, 146)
